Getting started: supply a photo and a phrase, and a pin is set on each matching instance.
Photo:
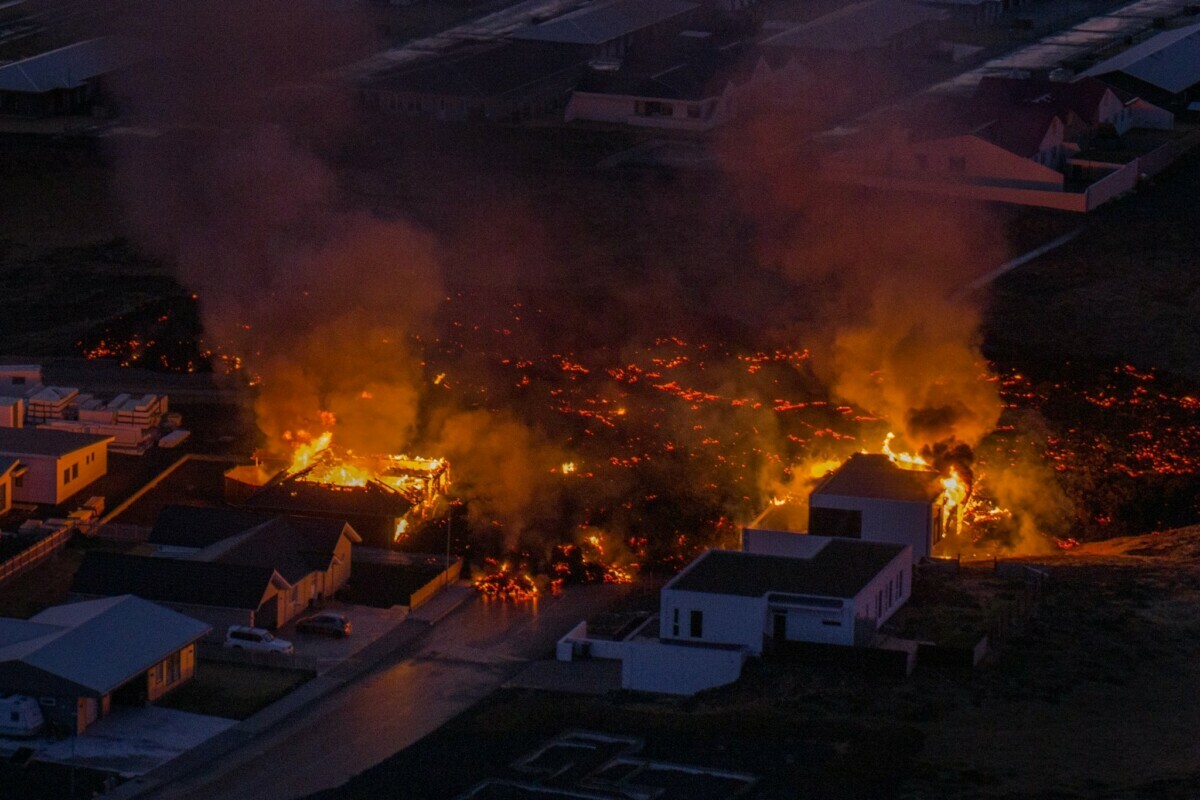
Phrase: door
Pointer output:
(779, 626)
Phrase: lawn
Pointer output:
(234, 691)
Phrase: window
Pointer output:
(653, 108)
(693, 111)
(74, 471)
(889, 594)
(697, 624)
(900, 585)
(48, 702)
(18, 380)
(13, 716)
(67, 475)
(841, 522)
(18, 481)
(675, 623)
(833, 623)
(879, 604)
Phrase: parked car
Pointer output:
(256, 640)
(20, 715)
(327, 623)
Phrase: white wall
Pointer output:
(794, 544)
(727, 619)
(1148, 115)
(598, 648)
(807, 623)
(651, 666)
(894, 521)
(898, 573)
(44, 482)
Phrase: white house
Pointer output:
(831, 591)
(870, 498)
(56, 464)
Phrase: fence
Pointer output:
(35, 553)
(113, 532)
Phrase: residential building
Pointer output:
(478, 82)
(830, 591)
(871, 498)
(80, 659)
(686, 89)
(1164, 69)
(610, 28)
(229, 567)
(54, 465)
(59, 82)
(375, 511)
(220, 594)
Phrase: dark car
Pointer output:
(327, 623)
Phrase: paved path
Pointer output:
(446, 669)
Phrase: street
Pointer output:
(462, 659)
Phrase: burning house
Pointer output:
(380, 496)
(868, 497)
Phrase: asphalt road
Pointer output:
(463, 658)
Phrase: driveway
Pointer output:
(462, 659)
(327, 652)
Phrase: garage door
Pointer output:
(817, 625)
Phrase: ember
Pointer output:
(506, 583)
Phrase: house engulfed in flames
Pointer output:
(382, 496)
(880, 497)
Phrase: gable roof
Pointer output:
(45, 442)
(174, 580)
(1170, 60)
(7, 465)
(65, 68)
(98, 644)
(292, 546)
(841, 568)
(603, 22)
(865, 25)
(197, 526)
(873, 475)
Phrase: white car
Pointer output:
(20, 715)
(256, 640)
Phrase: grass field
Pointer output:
(234, 691)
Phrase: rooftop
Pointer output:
(875, 476)
(173, 580)
(604, 21)
(489, 70)
(301, 497)
(65, 68)
(1170, 60)
(98, 644)
(841, 568)
(45, 442)
(866, 25)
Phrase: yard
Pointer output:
(234, 691)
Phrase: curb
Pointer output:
(292, 705)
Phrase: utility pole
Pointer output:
(449, 523)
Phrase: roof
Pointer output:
(1020, 129)
(193, 526)
(98, 644)
(682, 73)
(604, 21)
(173, 580)
(45, 442)
(301, 497)
(292, 546)
(1170, 60)
(65, 68)
(875, 476)
(996, 93)
(866, 25)
(480, 72)
(842, 568)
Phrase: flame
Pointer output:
(568, 467)
(906, 460)
(401, 529)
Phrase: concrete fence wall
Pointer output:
(653, 666)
